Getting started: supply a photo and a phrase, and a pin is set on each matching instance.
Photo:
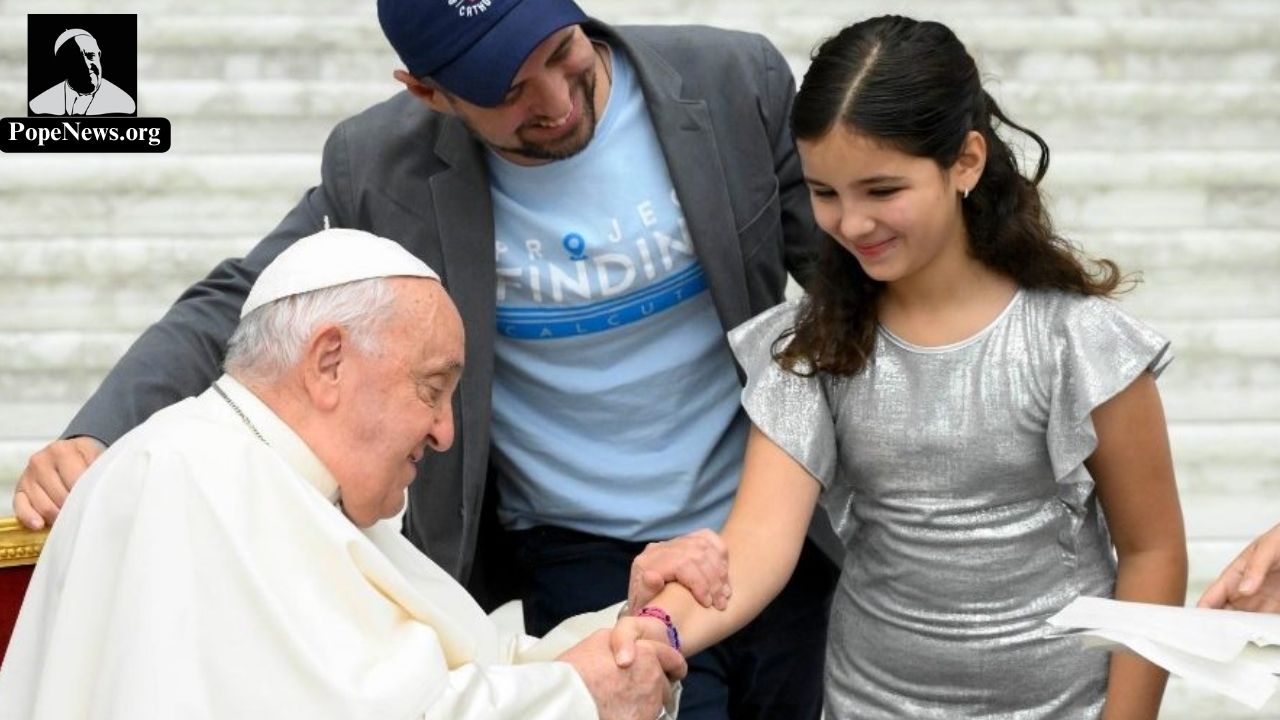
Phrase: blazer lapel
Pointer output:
(693, 161)
(442, 201)
(464, 224)
(464, 220)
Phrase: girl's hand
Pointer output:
(630, 630)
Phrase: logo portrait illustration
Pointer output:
(82, 89)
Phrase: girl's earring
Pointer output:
(966, 194)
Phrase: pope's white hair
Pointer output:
(271, 339)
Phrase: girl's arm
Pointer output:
(1134, 474)
(763, 535)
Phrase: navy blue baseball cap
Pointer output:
(472, 48)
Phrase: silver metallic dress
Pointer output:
(955, 478)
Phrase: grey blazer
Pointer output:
(719, 101)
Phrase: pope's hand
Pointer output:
(1252, 580)
(636, 692)
(50, 474)
(699, 561)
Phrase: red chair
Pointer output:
(19, 549)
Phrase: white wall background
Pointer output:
(1163, 117)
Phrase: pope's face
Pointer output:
(399, 403)
(92, 58)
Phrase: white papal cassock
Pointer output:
(199, 572)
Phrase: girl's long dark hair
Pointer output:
(912, 86)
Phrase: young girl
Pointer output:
(979, 422)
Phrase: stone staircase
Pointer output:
(1163, 117)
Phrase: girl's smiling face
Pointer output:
(898, 214)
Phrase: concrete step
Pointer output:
(58, 195)
(1152, 116)
(201, 122)
(72, 304)
(251, 209)
(1049, 97)
(1193, 273)
(113, 260)
(731, 11)
(1208, 296)
(1120, 132)
(71, 307)
(245, 116)
(1223, 371)
(726, 12)
(355, 26)
(223, 31)
(1014, 45)
(1152, 256)
(1239, 460)
(247, 100)
(1187, 248)
(1219, 520)
(1194, 280)
(1219, 312)
(1074, 171)
(27, 359)
(118, 261)
(1218, 528)
(33, 306)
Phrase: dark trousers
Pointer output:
(770, 669)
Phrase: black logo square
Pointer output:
(82, 65)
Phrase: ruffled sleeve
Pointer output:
(791, 410)
(1099, 350)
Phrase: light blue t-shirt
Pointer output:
(615, 399)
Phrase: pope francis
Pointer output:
(229, 558)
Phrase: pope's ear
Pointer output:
(323, 365)
(426, 93)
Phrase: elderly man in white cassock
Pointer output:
(229, 558)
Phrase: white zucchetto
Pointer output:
(67, 35)
(330, 258)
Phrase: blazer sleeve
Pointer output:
(181, 355)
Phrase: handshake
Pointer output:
(631, 670)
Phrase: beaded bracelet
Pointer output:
(657, 613)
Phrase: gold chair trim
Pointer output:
(18, 545)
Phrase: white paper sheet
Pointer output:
(1231, 652)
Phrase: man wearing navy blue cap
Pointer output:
(602, 203)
